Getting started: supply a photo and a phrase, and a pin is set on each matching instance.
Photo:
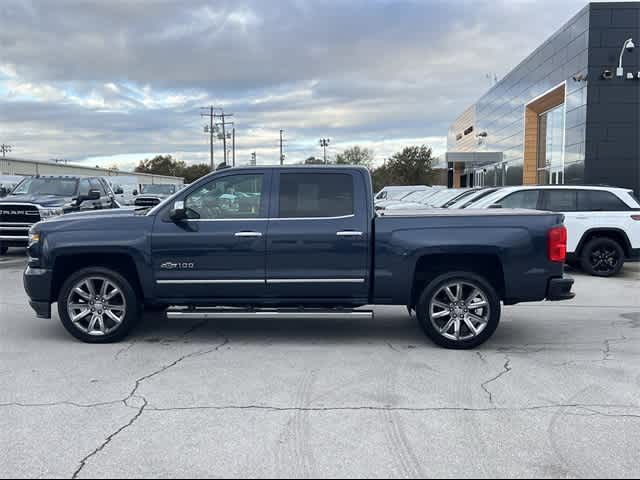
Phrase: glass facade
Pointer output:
(499, 116)
(551, 146)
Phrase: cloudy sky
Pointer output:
(114, 81)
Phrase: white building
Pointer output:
(23, 167)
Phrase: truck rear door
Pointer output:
(318, 237)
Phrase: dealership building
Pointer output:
(566, 115)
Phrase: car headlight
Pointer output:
(50, 212)
(34, 237)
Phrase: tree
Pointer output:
(314, 161)
(194, 172)
(356, 156)
(167, 165)
(412, 166)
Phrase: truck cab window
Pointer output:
(229, 197)
(315, 195)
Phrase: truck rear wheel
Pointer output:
(98, 305)
(459, 310)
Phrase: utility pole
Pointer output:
(210, 129)
(324, 143)
(281, 153)
(233, 147)
(4, 148)
(224, 124)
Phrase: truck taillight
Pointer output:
(636, 218)
(558, 244)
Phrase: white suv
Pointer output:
(603, 223)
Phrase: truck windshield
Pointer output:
(159, 189)
(59, 187)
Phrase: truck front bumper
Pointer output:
(37, 283)
(560, 289)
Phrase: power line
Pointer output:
(4, 148)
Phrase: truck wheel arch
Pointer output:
(430, 266)
(67, 264)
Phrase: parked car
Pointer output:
(8, 183)
(435, 201)
(603, 223)
(468, 200)
(397, 192)
(41, 198)
(412, 197)
(126, 188)
(306, 242)
(152, 195)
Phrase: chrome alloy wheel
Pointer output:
(460, 311)
(96, 306)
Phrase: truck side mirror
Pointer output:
(178, 212)
(135, 193)
(118, 191)
(91, 196)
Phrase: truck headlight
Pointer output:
(50, 212)
(34, 237)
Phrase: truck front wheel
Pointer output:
(459, 310)
(98, 305)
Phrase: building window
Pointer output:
(551, 146)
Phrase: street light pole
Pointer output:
(4, 148)
(324, 143)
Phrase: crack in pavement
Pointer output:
(108, 440)
(389, 409)
(141, 409)
(506, 369)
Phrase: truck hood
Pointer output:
(46, 201)
(107, 221)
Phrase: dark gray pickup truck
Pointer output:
(293, 242)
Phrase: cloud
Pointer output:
(114, 80)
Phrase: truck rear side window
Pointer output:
(315, 195)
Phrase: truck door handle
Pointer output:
(349, 233)
(248, 234)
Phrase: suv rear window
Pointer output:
(560, 200)
(315, 195)
(600, 201)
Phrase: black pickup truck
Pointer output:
(293, 242)
(41, 197)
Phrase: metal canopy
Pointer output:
(474, 158)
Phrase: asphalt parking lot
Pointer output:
(556, 393)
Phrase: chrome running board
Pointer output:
(265, 313)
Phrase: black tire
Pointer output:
(433, 292)
(131, 315)
(602, 257)
(3, 249)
